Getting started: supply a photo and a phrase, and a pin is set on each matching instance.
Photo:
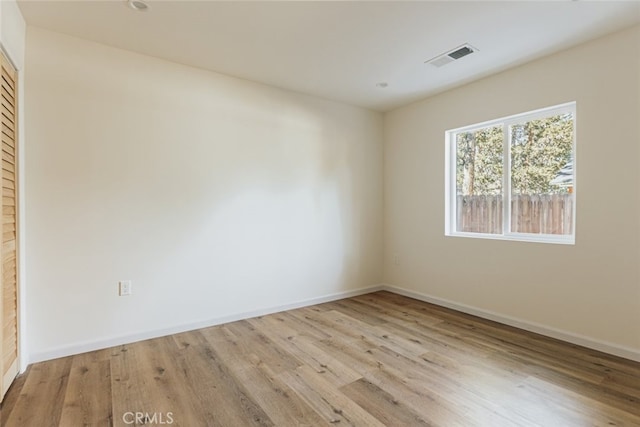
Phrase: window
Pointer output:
(513, 178)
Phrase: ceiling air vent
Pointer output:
(452, 55)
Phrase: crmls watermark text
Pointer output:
(148, 418)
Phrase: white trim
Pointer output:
(83, 347)
(449, 185)
(506, 179)
(520, 237)
(570, 337)
(9, 58)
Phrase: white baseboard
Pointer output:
(83, 347)
(603, 346)
(606, 347)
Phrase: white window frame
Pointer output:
(450, 178)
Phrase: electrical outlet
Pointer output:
(124, 287)
(396, 259)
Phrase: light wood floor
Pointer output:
(377, 359)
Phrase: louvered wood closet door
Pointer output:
(8, 250)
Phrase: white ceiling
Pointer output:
(340, 50)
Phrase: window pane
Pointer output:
(542, 176)
(479, 180)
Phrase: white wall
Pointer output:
(12, 40)
(589, 291)
(214, 195)
(220, 197)
(12, 31)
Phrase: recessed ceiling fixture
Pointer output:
(382, 85)
(138, 5)
(452, 55)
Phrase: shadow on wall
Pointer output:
(213, 195)
(251, 218)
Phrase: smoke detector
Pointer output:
(452, 55)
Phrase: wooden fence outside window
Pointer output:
(539, 214)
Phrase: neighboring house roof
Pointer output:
(565, 176)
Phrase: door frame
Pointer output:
(17, 366)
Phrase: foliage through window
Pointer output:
(514, 178)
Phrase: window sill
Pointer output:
(520, 237)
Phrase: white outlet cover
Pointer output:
(124, 287)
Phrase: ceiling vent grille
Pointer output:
(452, 55)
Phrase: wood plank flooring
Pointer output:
(373, 360)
